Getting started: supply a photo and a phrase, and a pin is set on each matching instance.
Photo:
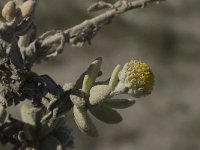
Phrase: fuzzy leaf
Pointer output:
(9, 10)
(27, 8)
(106, 114)
(77, 98)
(79, 82)
(119, 103)
(51, 143)
(114, 77)
(91, 75)
(68, 86)
(28, 115)
(98, 94)
(84, 122)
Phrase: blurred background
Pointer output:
(167, 37)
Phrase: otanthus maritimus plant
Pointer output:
(43, 125)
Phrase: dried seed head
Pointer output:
(9, 11)
(138, 77)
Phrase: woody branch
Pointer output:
(51, 43)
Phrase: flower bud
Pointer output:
(136, 79)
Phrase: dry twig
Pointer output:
(51, 43)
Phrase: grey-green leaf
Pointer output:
(77, 98)
(91, 75)
(114, 77)
(9, 10)
(84, 122)
(106, 114)
(119, 103)
(28, 115)
(99, 93)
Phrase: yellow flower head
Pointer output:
(138, 77)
